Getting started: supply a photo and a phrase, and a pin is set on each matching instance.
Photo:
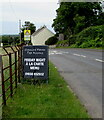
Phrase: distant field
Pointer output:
(5, 58)
(2, 51)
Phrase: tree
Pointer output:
(10, 39)
(27, 26)
(80, 23)
(73, 17)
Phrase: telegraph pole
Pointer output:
(20, 31)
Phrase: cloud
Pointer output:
(29, 10)
(35, 12)
(25, 1)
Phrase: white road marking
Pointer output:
(76, 54)
(51, 53)
(64, 52)
(99, 60)
(58, 53)
(83, 56)
(79, 55)
(54, 51)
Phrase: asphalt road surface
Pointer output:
(82, 69)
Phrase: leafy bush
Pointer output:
(90, 37)
(63, 43)
(92, 43)
(74, 46)
(51, 41)
(72, 39)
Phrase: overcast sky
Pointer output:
(39, 12)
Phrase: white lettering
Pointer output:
(34, 68)
(38, 49)
(29, 59)
(26, 63)
(38, 74)
(40, 60)
(30, 64)
(27, 73)
(39, 64)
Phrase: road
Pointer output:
(82, 69)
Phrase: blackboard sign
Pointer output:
(35, 62)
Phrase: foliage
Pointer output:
(62, 43)
(27, 26)
(51, 41)
(74, 46)
(80, 23)
(73, 17)
(90, 37)
(10, 39)
(72, 39)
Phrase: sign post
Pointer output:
(35, 62)
(27, 35)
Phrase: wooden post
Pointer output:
(10, 71)
(3, 85)
(19, 66)
(16, 69)
(21, 63)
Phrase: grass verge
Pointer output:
(53, 100)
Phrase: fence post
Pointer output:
(3, 85)
(10, 70)
(16, 69)
(19, 66)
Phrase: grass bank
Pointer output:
(53, 100)
(91, 37)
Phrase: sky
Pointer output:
(39, 12)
